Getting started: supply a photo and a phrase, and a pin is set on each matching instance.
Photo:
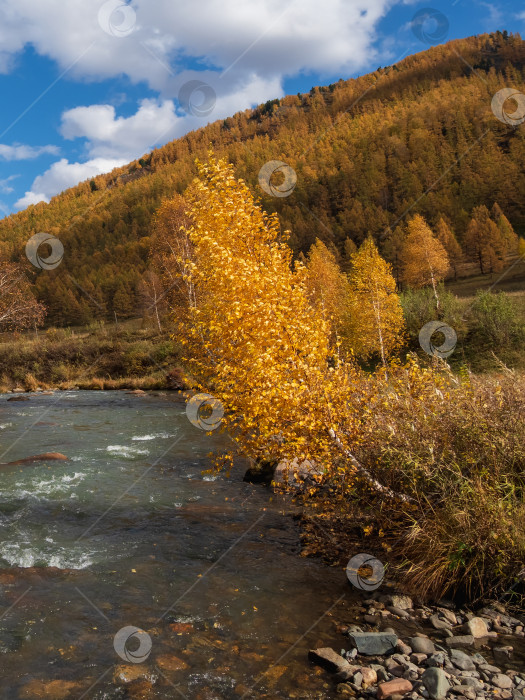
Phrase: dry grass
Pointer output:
(106, 357)
(458, 452)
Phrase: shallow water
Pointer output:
(130, 532)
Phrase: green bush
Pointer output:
(495, 319)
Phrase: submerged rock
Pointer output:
(329, 659)
(45, 457)
(169, 662)
(128, 673)
(50, 690)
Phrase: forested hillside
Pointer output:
(416, 137)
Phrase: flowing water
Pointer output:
(131, 532)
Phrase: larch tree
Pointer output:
(392, 248)
(484, 242)
(18, 307)
(424, 261)
(327, 287)
(510, 238)
(172, 251)
(376, 322)
(448, 240)
(349, 249)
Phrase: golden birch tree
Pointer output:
(253, 335)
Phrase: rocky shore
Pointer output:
(460, 654)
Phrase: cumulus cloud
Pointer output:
(156, 121)
(110, 136)
(157, 37)
(111, 141)
(21, 152)
(62, 175)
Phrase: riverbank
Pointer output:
(395, 647)
(101, 356)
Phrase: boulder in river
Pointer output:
(294, 472)
(261, 472)
(18, 398)
(45, 457)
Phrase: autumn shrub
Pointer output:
(455, 451)
(30, 383)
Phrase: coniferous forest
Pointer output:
(418, 137)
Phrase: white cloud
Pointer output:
(245, 49)
(22, 152)
(110, 136)
(156, 121)
(62, 175)
(5, 186)
(263, 37)
(112, 141)
(30, 198)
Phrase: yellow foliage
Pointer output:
(327, 287)
(424, 259)
(376, 322)
(254, 335)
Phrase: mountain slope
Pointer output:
(417, 137)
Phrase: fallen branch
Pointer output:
(385, 490)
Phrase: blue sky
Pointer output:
(91, 84)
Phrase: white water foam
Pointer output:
(56, 485)
(128, 452)
(26, 557)
(153, 436)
